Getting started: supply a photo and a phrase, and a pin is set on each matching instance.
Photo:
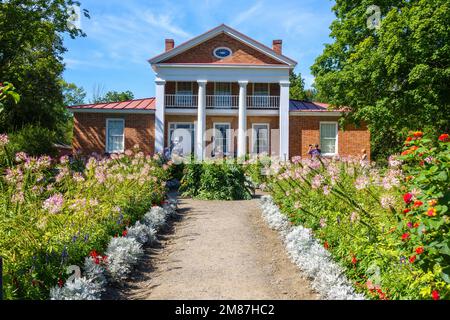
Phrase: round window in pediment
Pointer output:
(222, 52)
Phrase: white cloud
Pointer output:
(247, 14)
(164, 22)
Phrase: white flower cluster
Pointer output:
(121, 255)
(79, 289)
(142, 233)
(328, 278)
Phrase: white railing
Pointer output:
(181, 101)
(222, 101)
(263, 102)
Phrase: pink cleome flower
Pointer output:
(54, 204)
(4, 140)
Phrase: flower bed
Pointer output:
(310, 256)
(54, 213)
(387, 228)
(121, 255)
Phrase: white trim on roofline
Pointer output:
(115, 111)
(216, 31)
(221, 65)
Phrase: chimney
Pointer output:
(170, 44)
(278, 46)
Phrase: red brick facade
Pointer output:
(305, 130)
(89, 133)
(242, 54)
(273, 122)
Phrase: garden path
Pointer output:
(217, 250)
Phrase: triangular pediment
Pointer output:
(203, 49)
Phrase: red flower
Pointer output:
(325, 245)
(407, 198)
(418, 134)
(416, 225)
(124, 233)
(381, 294)
(406, 152)
(93, 254)
(444, 138)
(419, 250)
(418, 203)
(432, 212)
(435, 295)
(407, 210)
(412, 259)
(405, 236)
(354, 260)
(409, 139)
(60, 283)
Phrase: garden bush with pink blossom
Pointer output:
(55, 212)
(387, 227)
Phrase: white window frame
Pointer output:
(268, 89)
(176, 86)
(260, 100)
(182, 122)
(336, 148)
(229, 135)
(254, 136)
(219, 101)
(107, 150)
(184, 99)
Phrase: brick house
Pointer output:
(221, 93)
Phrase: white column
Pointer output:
(201, 121)
(159, 115)
(242, 129)
(284, 120)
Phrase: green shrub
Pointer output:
(33, 140)
(216, 181)
(255, 170)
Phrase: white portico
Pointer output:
(242, 81)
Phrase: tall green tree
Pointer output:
(297, 89)
(73, 95)
(396, 76)
(31, 57)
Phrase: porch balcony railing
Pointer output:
(263, 102)
(181, 101)
(222, 101)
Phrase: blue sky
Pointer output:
(123, 34)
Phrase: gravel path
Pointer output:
(217, 250)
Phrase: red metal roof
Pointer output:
(150, 104)
(138, 104)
